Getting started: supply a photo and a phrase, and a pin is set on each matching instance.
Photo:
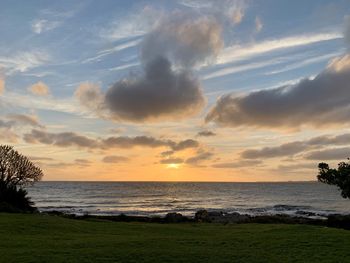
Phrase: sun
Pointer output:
(173, 165)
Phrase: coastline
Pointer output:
(204, 216)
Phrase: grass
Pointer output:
(43, 238)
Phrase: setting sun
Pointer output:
(173, 166)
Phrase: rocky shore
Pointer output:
(204, 216)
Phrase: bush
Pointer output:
(13, 199)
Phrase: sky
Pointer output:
(182, 90)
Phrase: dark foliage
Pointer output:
(339, 177)
(16, 171)
(14, 200)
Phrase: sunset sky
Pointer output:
(187, 90)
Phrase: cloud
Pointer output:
(67, 139)
(82, 162)
(297, 167)
(278, 151)
(316, 102)
(2, 86)
(63, 139)
(132, 25)
(40, 158)
(114, 159)
(160, 94)
(231, 10)
(183, 40)
(292, 148)
(115, 49)
(199, 157)
(6, 124)
(329, 154)
(167, 153)
(130, 142)
(347, 31)
(23, 119)
(206, 133)
(39, 88)
(172, 161)
(42, 25)
(166, 89)
(258, 24)
(238, 164)
(241, 52)
(237, 15)
(146, 141)
(23, 61)
(90, 96)
(185, 144)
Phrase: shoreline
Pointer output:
(204, 216)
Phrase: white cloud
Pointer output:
(42, 25)
(125, 66)
(241, 52)
(241, 68)
(134, 25)
(14, 99)
(258, 24)
(112, 50)
(305, 63)
(23, 61)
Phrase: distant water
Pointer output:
(310, 199)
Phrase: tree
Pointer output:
(339, 177)
(16, 171)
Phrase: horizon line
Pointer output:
(136, 181)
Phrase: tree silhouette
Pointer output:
(339, 177)
(16, 171)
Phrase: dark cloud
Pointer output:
(161, 93)
(66, 139)
(83, 162)
(6, 124)
(185, 144)
(200, 157)
(277, 151)
(22, 119)
(298, 166)
(60, 139)
(292, 148)
(238, 164)
(321, 101)
(206, 133)
(329, 140)
(329, 154)
(130, 142)
(167, 153)
(166, 89)
(172, 161)
(114, 159)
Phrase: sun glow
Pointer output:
(173, 165)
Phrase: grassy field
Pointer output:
(42, 238)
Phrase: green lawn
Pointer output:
(42, 238)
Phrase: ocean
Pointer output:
(308, 199)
